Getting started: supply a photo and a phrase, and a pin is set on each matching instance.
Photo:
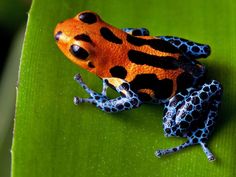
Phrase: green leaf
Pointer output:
(53, 137)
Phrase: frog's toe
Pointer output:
(207, 151)
(77, 100)
(78, 77)
(211, 158)
(158, 153)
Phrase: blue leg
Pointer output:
(127, 100)
(192, 114)
(191, 49)
(136, 31)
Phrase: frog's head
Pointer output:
(75, 38)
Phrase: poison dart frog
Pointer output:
(145, 69)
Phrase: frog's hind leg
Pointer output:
(194, 117)
(127, 100)
(136, 31)
(191, 49)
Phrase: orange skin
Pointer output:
(105, 55)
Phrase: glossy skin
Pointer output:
(144, 69)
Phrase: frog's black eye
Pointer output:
(78, 52)
(88, 17)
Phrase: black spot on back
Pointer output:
(90, 64)
(137, 32)
(88, 17)
(118, 71)
(184, 80)
(109, 35)
(144, 97)
(152, 60)
(83, 37)
(157, 44)
(162, 88)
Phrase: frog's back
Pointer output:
(158, 70)
(155, 68)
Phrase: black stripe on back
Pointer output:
(162, 88)
(141, 58)
(110, 36)
(184, 80)
(157, 44)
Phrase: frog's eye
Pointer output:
(88, 17)
(78, 52)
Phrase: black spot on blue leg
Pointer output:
(125, 86)
(203, 96)
(213, 88)
(127, 104)
(207, 50)
(119, 106)
(177, 42)
(190, 43)
(183, 48)
(107, 109)
(195, 49)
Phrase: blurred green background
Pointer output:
(13, 16)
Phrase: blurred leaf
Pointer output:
(55, 138)
(8, 83)
(13, 13)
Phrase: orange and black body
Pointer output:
(154, 67)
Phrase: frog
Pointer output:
(143, 69)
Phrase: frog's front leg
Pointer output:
(192, 114)
(127, 100)
(189, 48)
(136, 31)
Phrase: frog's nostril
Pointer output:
(57, 36)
